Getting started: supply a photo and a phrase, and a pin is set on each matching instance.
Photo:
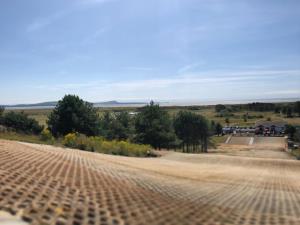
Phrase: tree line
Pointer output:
(287, 109)
(152, 125)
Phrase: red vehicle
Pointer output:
(267, 132)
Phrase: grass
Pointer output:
(13, 136)
(296, 153)
(219, 139)
(215, 141)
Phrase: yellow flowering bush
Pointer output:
(99, 144)
(70, 140)
(47, 136)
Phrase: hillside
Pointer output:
(49, 185)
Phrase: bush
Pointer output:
(82, 142)
(21, 122)
(220, 107)
(290, 130)
(98, 144)
(3, 129)
(70, 140)
(124, 148)
(2, 109)
(46, 136)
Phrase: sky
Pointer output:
(133, 50)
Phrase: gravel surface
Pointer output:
(49, 185)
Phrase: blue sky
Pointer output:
(141, 50)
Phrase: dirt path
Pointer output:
(48, 185)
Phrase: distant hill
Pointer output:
(43, 104)
(53, 104)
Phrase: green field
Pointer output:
(208, 111)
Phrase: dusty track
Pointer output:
(47, 185)
(274, 142)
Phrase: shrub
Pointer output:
(3, 129)
(81, 142)
(47, 136)
(220, 107)
(98, 144)
(21, 122)
(290, 130)
(70, 140)
(2, 109)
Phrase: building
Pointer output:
(269, 128)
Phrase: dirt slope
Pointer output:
(48, 185)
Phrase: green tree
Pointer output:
(193, 130)
(290, 130)
(245, 117)
(1, 113)
(297, 135)
(297, 107)
(125, 127)
(218, 129)
(105, 125)
(220, 108)
(284, 110)
(21, 122)
(277, 109)
(154, 126)
(1, 110)
(289, 112)
(117, 126)
(227, 121)
(72, 114)
(212, 127)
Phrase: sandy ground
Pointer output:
(234, 185)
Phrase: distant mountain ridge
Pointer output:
(54, 103)
(42, 104)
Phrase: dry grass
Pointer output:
(209, 112)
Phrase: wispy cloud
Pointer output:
(90, 39)
(189, 67)
(93, 1)
(40, 23)
(69, 86)
(283, 92)
(139, 68)
(224, 78)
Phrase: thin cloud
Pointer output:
(229, 78)
(283, 92)
(41, 23)
(189, 67)
(139, 68)
(90, 2)
(94, 36)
